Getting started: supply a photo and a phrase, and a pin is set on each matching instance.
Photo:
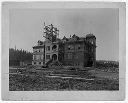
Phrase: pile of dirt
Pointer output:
(56, 63)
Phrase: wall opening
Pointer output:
(54, 57)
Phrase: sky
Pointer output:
(26, 27)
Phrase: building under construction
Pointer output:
(73, 51)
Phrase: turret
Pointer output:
(91, 39)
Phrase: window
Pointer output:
(76, 57)
(78, 46)
(54, 47)
(37, 57)
(34, 50)
(42, 57)
(42, 50)
(48, 48)
(69, 56)
(92, 49)
(34, 57)
(47, 56)
(70, 47)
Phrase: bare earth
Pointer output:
(61, 79)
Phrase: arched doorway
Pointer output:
(54, 57)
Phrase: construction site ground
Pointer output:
(61, 79)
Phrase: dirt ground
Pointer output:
(103, 74)
(59, 80)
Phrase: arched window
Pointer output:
(54, 57)
(54, 47)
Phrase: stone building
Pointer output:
(73, 51)
(51, 50)
(80, 51)
(38, 54)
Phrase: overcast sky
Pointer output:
(26, 27)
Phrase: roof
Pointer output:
(37, 47)
(89, 35)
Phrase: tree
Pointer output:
(16, 56)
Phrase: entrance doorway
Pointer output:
(54, 57)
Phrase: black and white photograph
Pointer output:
(65, 49)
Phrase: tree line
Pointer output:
(16, 56)
(103, 63)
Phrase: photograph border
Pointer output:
(62, 95)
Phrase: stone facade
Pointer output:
(51, 51)
(74, 51)
(80, 51)
(38, 54)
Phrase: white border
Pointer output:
(63, 95)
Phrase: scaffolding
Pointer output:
(51, 33)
